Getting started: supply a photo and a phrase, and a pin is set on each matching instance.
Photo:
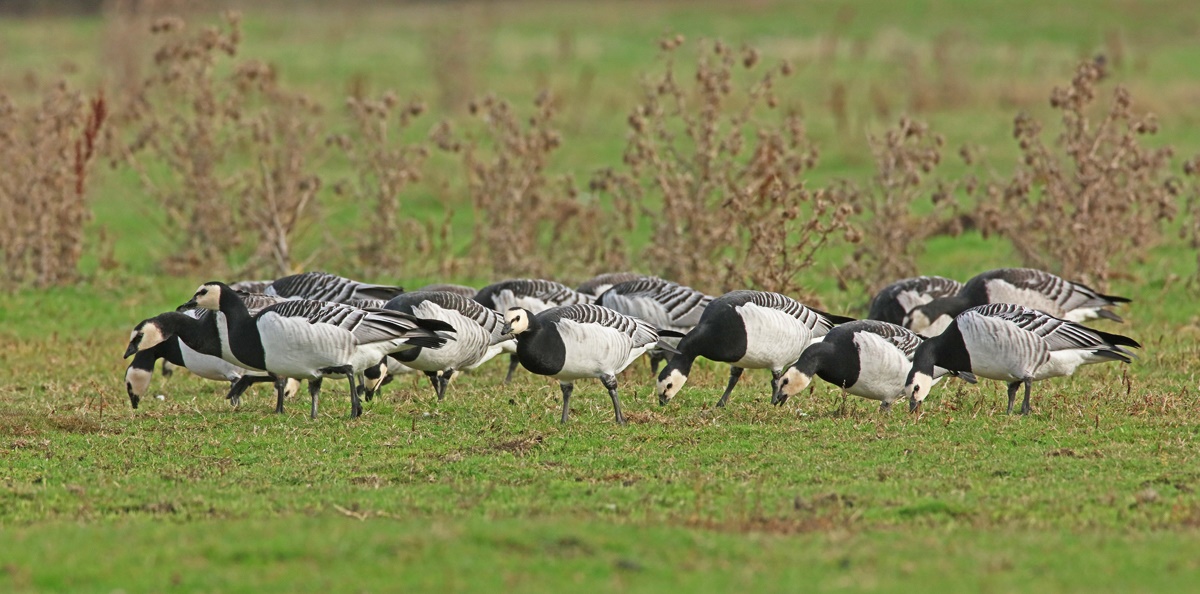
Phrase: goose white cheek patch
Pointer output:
(670, 386)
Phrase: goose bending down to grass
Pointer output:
(1013, 344)
(322, 286)
(535, 295)
(866, 358)
(893, 302)
(579, 341)
(747, 329)
(597, 285)
(477, 335)
(1036, 289)
(661, 303)
(299, 339)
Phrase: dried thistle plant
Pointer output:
(729, 169)
(223, 153)
(47, 151)
(1190, 231)
(1094, 201)
(890, 235)
(527, 223)
(384, 167)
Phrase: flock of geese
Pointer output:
(1015, 325)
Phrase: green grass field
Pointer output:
(1096, 491)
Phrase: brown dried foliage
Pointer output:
(890, 236)
(47, 151)
(527, 222)
(384, 167)
(1190, 231)
(1094, 201)
(239, 150)
(729, 170)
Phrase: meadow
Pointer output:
(1096, 490)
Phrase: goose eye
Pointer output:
(916, 389)
(785, 381)
(670, 385)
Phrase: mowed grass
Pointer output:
(486, 490)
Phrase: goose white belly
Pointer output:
(508, 346)
(1066, 361)
(207, 366)
(883, 368)
(1082, 314)
(774, 339)
(1000, 350)
(470, 344)
(297, 349)
(593, 350)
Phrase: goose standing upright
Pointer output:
(661, 303)
(867, 358)
(893, 302)
(535, 295)
(1013, 344)
(747, 329)
(310, 340)
(477, 335)
(1031, 288)
(579, 341)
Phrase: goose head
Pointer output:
(207, 296)
(137, 383)
(917, 389)
(790, 384)
(148, 334)
(670, 382)
(516, 321)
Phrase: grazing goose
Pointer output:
(304, 339)
(535, 295)
(174, 352)
(322, 286)
(578, 341)
(663, 304)
(747, 329)
(1037, 289)
(597, 285)
(477, 335)
(1014, 344)
(866, 358)
(894, 301)
(465, 291)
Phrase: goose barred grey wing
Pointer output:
(548, 292)
(251, 286)
(894, 301)
(906, 340)
(490, 320)
(1066, 294)
(681, 305)
(815, 319)
(367, 325)
(600, 283)
(322, 286)
(366, 303)
(640, 332)
(1058, 334)
(256, 302)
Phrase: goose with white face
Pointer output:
(516, 321)
(208, 296)
(917, 389)
(670, 385)
(146, 335)
(790, 384)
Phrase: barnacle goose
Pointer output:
(306, 339)
(663, 304)
(465, 291)
(251, 286)
(1037, 289)
(322, 286)
(535, 295)
(477, 335)
(578, 341)
(747, 329)
(867, 358)
(894, 301)
(1013, 344)
(597, 285)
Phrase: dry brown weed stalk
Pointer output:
(47, 151)
(729, 169)
(1093, 201)
(223, 153)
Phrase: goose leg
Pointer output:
(355, 403)
(280, 391)
(734, 374)
(434, 381)
(239, 386)
(443, 383)
(1012, 395)
(610, 382)
(314, 389)
(513, 361)
(1025, 408)
(567, 388)
(885, 407)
